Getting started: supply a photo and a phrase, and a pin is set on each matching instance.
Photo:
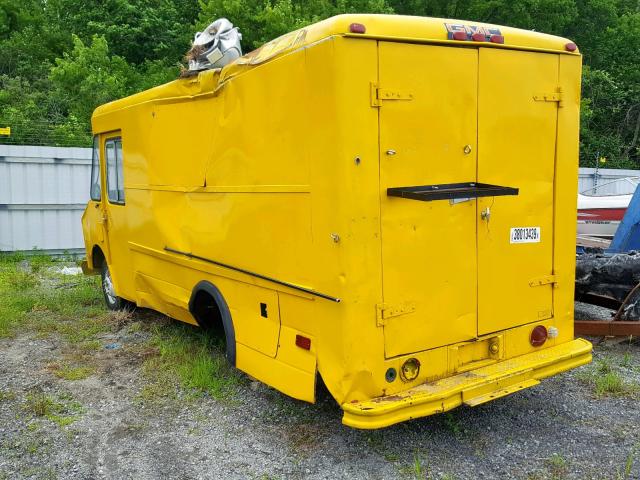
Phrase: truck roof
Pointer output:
(400, 28)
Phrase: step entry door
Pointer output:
(466, 177)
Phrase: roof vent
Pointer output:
(215, 47)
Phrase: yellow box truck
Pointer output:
(387, 202)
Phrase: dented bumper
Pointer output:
(471, 388)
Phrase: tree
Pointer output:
(89, 76)
(262, 20)
(62, 58)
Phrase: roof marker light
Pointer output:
(357, 28)
(497, 38)
(478, 37)
(571, 47)
(460, 35)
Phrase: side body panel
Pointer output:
(253, 175)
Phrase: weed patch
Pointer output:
(557, 466)
(194, 358)
(62, 410)
(36, 298)
(607, 380)
(69, 372)
(6, 395)
(609, 384)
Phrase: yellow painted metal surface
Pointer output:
(278, 167)
(6, 131)
(518, 141)
(480, 386)
(417, 237)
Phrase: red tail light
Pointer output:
(305, 343)
(478, 37)
(460, 36)
(357, 28)
(571, 47)
(497, 38)
(538, 336)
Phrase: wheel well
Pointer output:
(97, 257)
(210, 310)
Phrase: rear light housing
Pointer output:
(410, 369)
(496, 39)
(478, 37)
(571, 47)
(357, 28)
(538, 336)
(303, 342)
(460, 36)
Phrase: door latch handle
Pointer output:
(486, 214)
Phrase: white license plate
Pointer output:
(525, 235)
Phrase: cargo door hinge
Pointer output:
(378, 95)
(554, 97)
(385, 312)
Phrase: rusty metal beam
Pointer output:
(607, 327)
(599, 300)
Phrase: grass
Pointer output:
(416, 469)
(606, 380)
(558, 466)
(6, 395)
(62, 409)
(451, 423)
(68, 372)
(37, 298)
(625, 472)
(191, 358)
(609, 384)
(38, 301)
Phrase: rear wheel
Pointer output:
(113, 301)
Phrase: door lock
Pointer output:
(486, 214)
(467, 149)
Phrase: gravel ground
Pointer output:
(99, 427)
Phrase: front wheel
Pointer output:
(113, 301)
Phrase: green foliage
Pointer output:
(62, 58)
(62, 409)
(263, 20)
(192, 356)
(89, 76)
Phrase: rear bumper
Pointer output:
(472, 388)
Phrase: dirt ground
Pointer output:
(116, 397)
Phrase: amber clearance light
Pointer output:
(410, 369)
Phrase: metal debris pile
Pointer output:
(611, 281)
(214, 47)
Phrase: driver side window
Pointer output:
(94, 190)
(115, 179)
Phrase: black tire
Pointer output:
(113, 301)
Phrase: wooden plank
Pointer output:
(606, 327)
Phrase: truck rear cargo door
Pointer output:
(517, 113)
(428, 117)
